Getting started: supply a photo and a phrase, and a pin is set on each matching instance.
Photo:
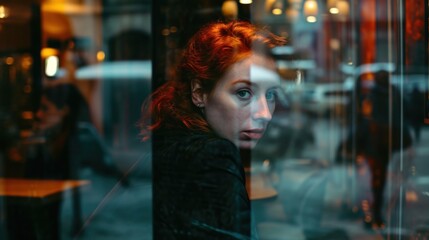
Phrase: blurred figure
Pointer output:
(385, 124)
(374, 136)
(61, 107)
(357, 111)
(417, 112)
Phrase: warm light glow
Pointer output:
(334, 10)
(4, 11)
(268, 5)
(70, 8)
(292, 14)
(165, 32)
(100, 56)
(331, 4)
(25, 133)
(27, 115)
(334, 44)
(277, 11)
(311, 19)
(245, 1)
(173, 29)
(46, 52)
(310, 8)
(10, 60)
(411, 196)
(51, 66)
(26, 62)
(343, 7)
(230, 9)
(277, 8)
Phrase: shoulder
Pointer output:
(209, 146)
(212, 144)
(216, 156)
(202, 151)
(183, 141)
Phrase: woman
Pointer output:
(220, 102)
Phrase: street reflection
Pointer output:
(324, 169)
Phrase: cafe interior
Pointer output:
(308, 178)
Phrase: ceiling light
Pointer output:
(245, 1)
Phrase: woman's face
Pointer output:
(49, 115)
(242, 102)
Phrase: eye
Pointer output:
(271, 95)
(244, 94)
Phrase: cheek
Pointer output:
(237, 116)
(225, 117)
(244, 116)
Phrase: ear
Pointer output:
(198, 97)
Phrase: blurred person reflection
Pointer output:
(218, 104)
(417, 111)
(385, 124)
(356, 124)
(61, 107)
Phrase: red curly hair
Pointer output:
(208, 55)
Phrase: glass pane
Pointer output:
(74, 75)
(342, 157)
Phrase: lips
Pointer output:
(253, 134)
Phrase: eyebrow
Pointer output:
(249, 83)
(245, 81)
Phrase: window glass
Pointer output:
(74, 75)
(343, 157)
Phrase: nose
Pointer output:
(261, 110)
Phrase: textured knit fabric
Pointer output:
(199, 188)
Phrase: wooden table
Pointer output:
(43, 190)
(262, 193)
(259, 188)
(35, 203)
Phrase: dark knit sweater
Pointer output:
(198, 188)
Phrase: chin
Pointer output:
(247, 144)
